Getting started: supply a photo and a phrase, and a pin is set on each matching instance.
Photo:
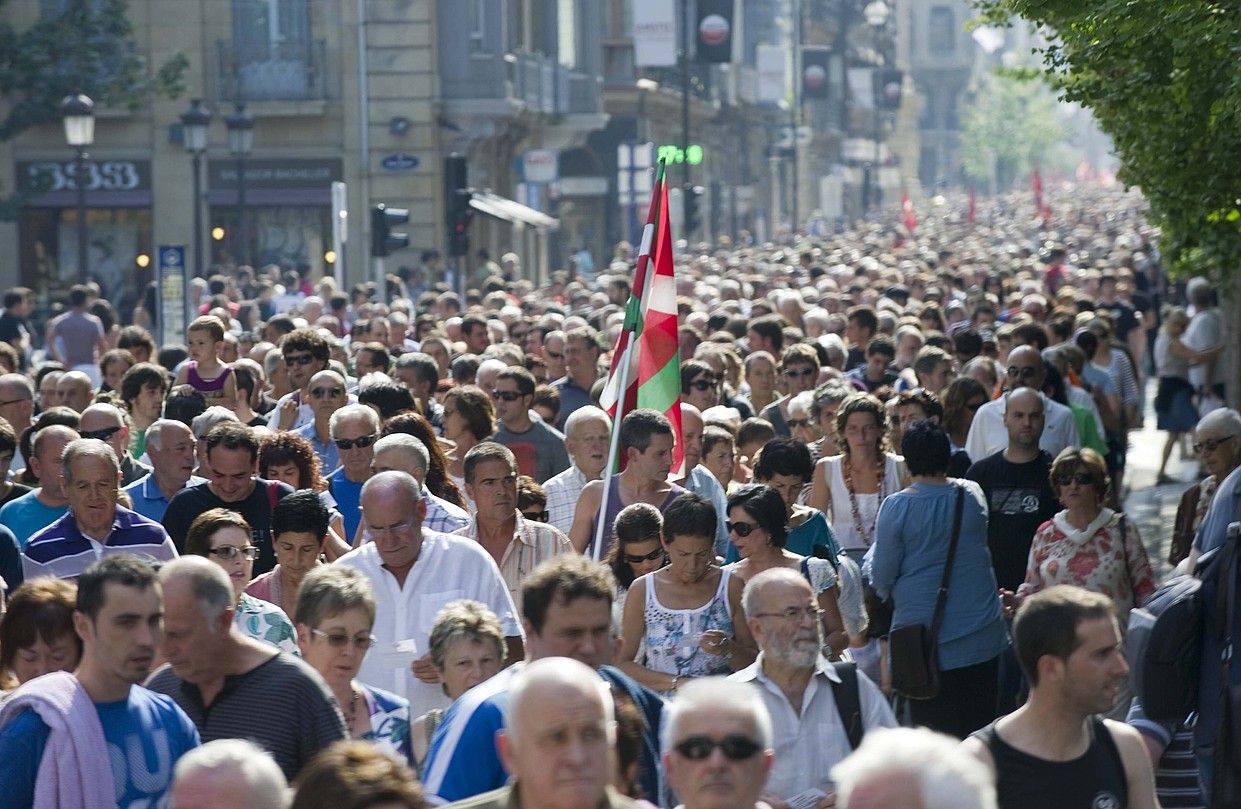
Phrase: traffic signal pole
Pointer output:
(685, 23)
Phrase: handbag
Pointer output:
(914, 648)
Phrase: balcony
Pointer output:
(288, 71)
(544, 85)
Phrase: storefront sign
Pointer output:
(263, 173)
(36, 176)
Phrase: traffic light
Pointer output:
(888, 88)
(383, 240)
(457, 196)
(692, 197)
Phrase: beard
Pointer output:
(797, 651)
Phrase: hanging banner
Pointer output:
(713, 27)
(770, 62)
(814, 75)
(654, 33)
(862, 87)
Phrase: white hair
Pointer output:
(584, 414)
(361, 411)
(209, 418)
(802, 402)
(240, 760)
(714, 695)
(770, 576)
(489, 365)
(410, 445)
(561, 671)
(1224, 420)
(947, 777)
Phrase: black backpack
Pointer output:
(1166, 671)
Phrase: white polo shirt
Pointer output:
(988, 435)
(448, 568)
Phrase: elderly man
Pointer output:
(586, 437)
(228, 772)
(402, 452)
(912, 768)
(109, 424)
(95, 524)
(553, 353)
(414, 573)
(232, 483)
(539, 447)
(306, 352)
(581, 362)
(1217, 441)
(717, 745)
(327, 395)
(17, 407)
(988, 435)
(698, 479)
(559, 743)
(137, 736)
(516, 544)
(355, 429)
(817, 714)
(232, 686)
(74, 390)
(35, 510)
(171, 447)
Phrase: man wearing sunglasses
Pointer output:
(988, 435)
(800, 687)
(110, 425)
(306, 353)
(354, 429)
(539, 447)
(327, 395)
(718, 745)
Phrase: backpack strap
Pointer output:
(849, 701)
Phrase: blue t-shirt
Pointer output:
(27, 516)
(146, 733)
(349, 500)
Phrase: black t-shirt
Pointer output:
(13, 328)
(256, 509)
(1123, 317)
(1019, 500)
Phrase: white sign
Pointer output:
(654, 33)
(583, 186)
(862, 86)
(771, 62)
(539, 165)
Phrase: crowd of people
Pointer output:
(363, 548)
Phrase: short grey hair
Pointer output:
(329, 590)
(155, 433)
(715, 695)
(409, 445)
(361, 411)
(947, 777)
(585, 414)
(1198, 291)
(750, 594)
(464, 619)
(210, 584)
(1224, 420)
(558, 670)
(86, 448)
(240, 760)
(209, 418)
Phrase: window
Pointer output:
(941, 34)
(273, 56)
(478, 28)
(566, 32)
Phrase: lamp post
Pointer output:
(194, 123)
(78, 112)
(876, 14)
(240, 140)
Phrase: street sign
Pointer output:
(400, 162)
(540, 165)
(173, 316)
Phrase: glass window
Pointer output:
(566, 32)
(478, 29)
(941, 30)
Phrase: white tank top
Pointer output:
(867, 504)
(672, 635)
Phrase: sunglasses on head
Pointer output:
(537, 516)
(637, 559)
(735, 747)
(299, 359)
(102, 435)
(506, 395)
(1028, 372)
(326, 393)
(361, 442)
(1080, 478)
(741, 529)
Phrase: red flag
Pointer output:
(973, 211)
(908, 217)
(1036, 185)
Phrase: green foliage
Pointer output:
(88, 49)
(1011, 125)
(1161, 78)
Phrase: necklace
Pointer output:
(846, 472)
(353, 705)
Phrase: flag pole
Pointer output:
(613, 451)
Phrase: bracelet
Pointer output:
(676, 678)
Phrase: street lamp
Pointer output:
(194, 124)
(78, 112)
(240, 140)
(876, 15)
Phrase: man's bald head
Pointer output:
(1025, 368)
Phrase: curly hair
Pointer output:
(285, 448)
(438, 482)
(862, 403)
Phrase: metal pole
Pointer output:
(685, 112)
(795, 112)
(243, 229)
(198, 215)
(633, 194)
(79, 180)
(875, 190)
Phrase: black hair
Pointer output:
(784, 456)
(185, 407)
(390, 398)
(170, 356)
(690, 515)
(640, 426)
(123, 569)
(301, 512)
(926, 448)
(766, 506)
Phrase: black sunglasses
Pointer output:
(734, 747)
(637, 559)
(1080, 478)
(299, 359)
(1028, 372)
(362, 442)
(702, 384)
(507, 395)
(102, 435)
(326, 393)
(741, 529)
(537, 516)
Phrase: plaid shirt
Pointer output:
(442, 515)
(533, 543)
(563, 491)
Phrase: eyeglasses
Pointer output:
(1210, 445)
(327, 393)
(798, 423)
(741, 529)
(339, 640)
(102, 435)
(735, 747)
(299, 359)
(792, 613)
(537, 516)
(1028, 372)
(1080, 478)
(506, 395)
(230, 552)
(361, 442)
(399, 528)
(637, 559)
(703, 384)
(793, 373)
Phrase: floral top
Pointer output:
(672, 636)
(1098, 558)
(389, 721)
(266, 622)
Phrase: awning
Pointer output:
(512, 211)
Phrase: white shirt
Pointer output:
(1202, 333)
(988, 435)
(563, 491)
(448, 568)
(809, 742)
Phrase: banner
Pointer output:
(815, 81)
(713, 31)
(770, 64)
(654, 33)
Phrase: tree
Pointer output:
(1011, 125)
(1160, 78)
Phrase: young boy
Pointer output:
(206, 372)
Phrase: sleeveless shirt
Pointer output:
(843, 526)
(1094, 780)
(206, 385)
(614, 507)
(671, 639)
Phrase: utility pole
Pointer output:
(685, 23)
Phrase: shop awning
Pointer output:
(512, 211)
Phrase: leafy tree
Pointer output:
(1161, 79)
(1011, 125)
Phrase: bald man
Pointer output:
(74, 390)
(988, 433)
(34, 511)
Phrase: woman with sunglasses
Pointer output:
(335, 614)
(469, 418)
(700, 385)
(758, 524)
(637, 550)
(223, 536)
(799, 371)
(962, 398)
(1087, 544)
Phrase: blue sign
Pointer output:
(171, 286)
(400, 162)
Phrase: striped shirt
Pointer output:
(563, 491)
(61, 550)
(442, 515)
(533, 543)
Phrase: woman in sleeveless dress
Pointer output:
(687, 616)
